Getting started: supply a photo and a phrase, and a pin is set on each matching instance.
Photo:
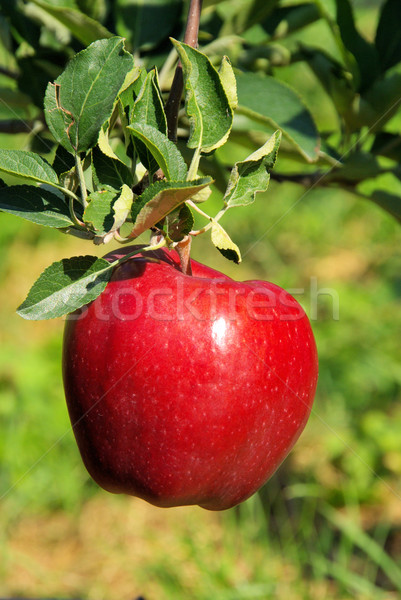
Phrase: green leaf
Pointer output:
(98, 214)
(203, 195)
(122, 207)
(179, 223)
(381, 102)
(389, 202)
(387, 144)
(35, 204)
(252, 175)
(126, 101)
(110, 171)
(365, 54)
(224, 243)
(129, 93)
(356, 166)
(84, 28)
(63, 161)
(271, 102)
(229, 82)
(27, 165)
(239, 15)
(146, 23)
(149, 110)
(104, 144)
(388, 34)
(206, 102)
(65, 286)
(159, 199)
(283, 21)
(336, 80)
(164, 151)
(82, 98)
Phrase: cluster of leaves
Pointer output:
(102, 190)
(91, 192)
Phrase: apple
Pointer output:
(187, 389)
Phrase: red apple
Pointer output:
(187, 389)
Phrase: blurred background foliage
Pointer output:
(328, 524)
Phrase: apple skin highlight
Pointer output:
(187, 389)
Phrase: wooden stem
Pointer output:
(174, 100)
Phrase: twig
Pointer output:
(174, 100)
(8, 73)
(14, 126)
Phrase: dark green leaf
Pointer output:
(389, 202)
(146, 23)
(82, 98)
(159, 199)
(164, 151)
(239, 16)
(99, 213)
(110, 171)
(206, 102)
(179, 223)
(148, 110)
(357, 166)
(129, 94)
(387, 144)
(271, 102)
(63, 161)
(335, 79)
(283, 21)
(252, 175)
(35, 204)
(381, 102)
(84, 28)
(388, 34)
(364, 53)
(27, 165)
(65, 286)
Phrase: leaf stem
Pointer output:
(198, 210)
(174, 100)
(208, 217)
(81, 177)
(73, 216)
(118, 261)
(194, 166)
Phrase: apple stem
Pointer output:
(174, 100)
(184, 250)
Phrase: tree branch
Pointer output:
(8, 73)
(174, 100)
(15, 126)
